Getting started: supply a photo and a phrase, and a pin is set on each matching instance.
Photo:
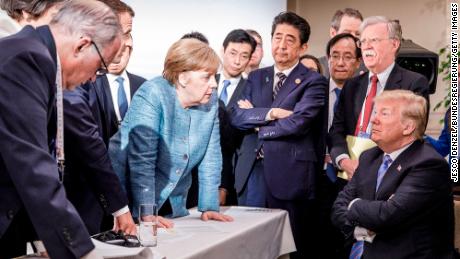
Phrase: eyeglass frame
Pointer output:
(345, 58)
(371, 41)
(101, 70)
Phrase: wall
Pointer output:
(426, 22)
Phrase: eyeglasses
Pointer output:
(100, 70)
(346, 58)
(371, 41)
(118, 238)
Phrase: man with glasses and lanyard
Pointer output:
(380, 41)
(91, 185)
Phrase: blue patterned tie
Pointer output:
(122, 100)
(224, 95)
(357, 250)
(382, 170)
(278, 85)
(337, 95)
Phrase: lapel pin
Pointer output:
(297, 81)
(399, 168)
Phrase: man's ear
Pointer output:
(304, 48)
(408, 127)
(81, 44)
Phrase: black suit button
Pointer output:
(10, 214)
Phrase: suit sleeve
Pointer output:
(304, 114)
(26, 88)
(245, 119)
(81, 130)
(142, 124)
(421, 190)
(209, 170)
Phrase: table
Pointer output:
(254, 233)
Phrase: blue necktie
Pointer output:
(278, 85)
(357, 250)
(224, 95)
(382, 170)
(337, 95)
(122, 100)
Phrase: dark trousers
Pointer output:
(303, 218)
(14, 240)
(254, 193)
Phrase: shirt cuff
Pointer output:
(340, 157)
(362, 234)
(39, 246)
(268, 117)
(121, 211)
(353, 201)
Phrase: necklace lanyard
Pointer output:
(60, 122)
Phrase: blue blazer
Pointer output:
(159, 143)
(292, 146)
(29, 178)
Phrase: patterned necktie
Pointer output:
(368, 106)
(278, 85)
(337, 95)
(357, 250)
(224, 95)
(382, 170)
(122, 100)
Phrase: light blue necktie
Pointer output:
(357, 250)
(122, 100)
(224, 95)
(382, 170)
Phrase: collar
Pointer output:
(233, 80)
(383, 76)
(398, 152)
(332, 85)
(286, 71)
(113, 77)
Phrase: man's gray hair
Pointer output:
(88, 18)
(393, 27)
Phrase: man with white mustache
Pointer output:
(380, 41)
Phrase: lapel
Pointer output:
(371, 170)
(237, 93)
(132, 89)
(394, 79)
(396, 170)
(290, 84)
(106, 98)
(266, 92)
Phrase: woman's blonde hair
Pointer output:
(189, 55)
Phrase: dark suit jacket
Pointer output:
(291, 150)
(230, 137)
(100, 99)
(352, 98)
(91, 184)
(29, 177)
(412, 211)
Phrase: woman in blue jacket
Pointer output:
(171, 127)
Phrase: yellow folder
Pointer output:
(356, 146)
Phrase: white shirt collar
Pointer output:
(398, 152)
(286, 71)
(383, 76)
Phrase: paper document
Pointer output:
(356, 146)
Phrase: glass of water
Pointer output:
(148, 223)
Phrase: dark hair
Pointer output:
(119, 7)
(36, 8)
(337, 38)
(240, 36)
(318, 65)
(294, 20)
(196, 35)
(337, 18)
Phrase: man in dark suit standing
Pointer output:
(380, 41)
(282, 110)
(399, 202)
(237, 49)
(34, 63)
(91, 185)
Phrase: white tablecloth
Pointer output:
(255, 233)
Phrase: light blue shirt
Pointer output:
(159, 143)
